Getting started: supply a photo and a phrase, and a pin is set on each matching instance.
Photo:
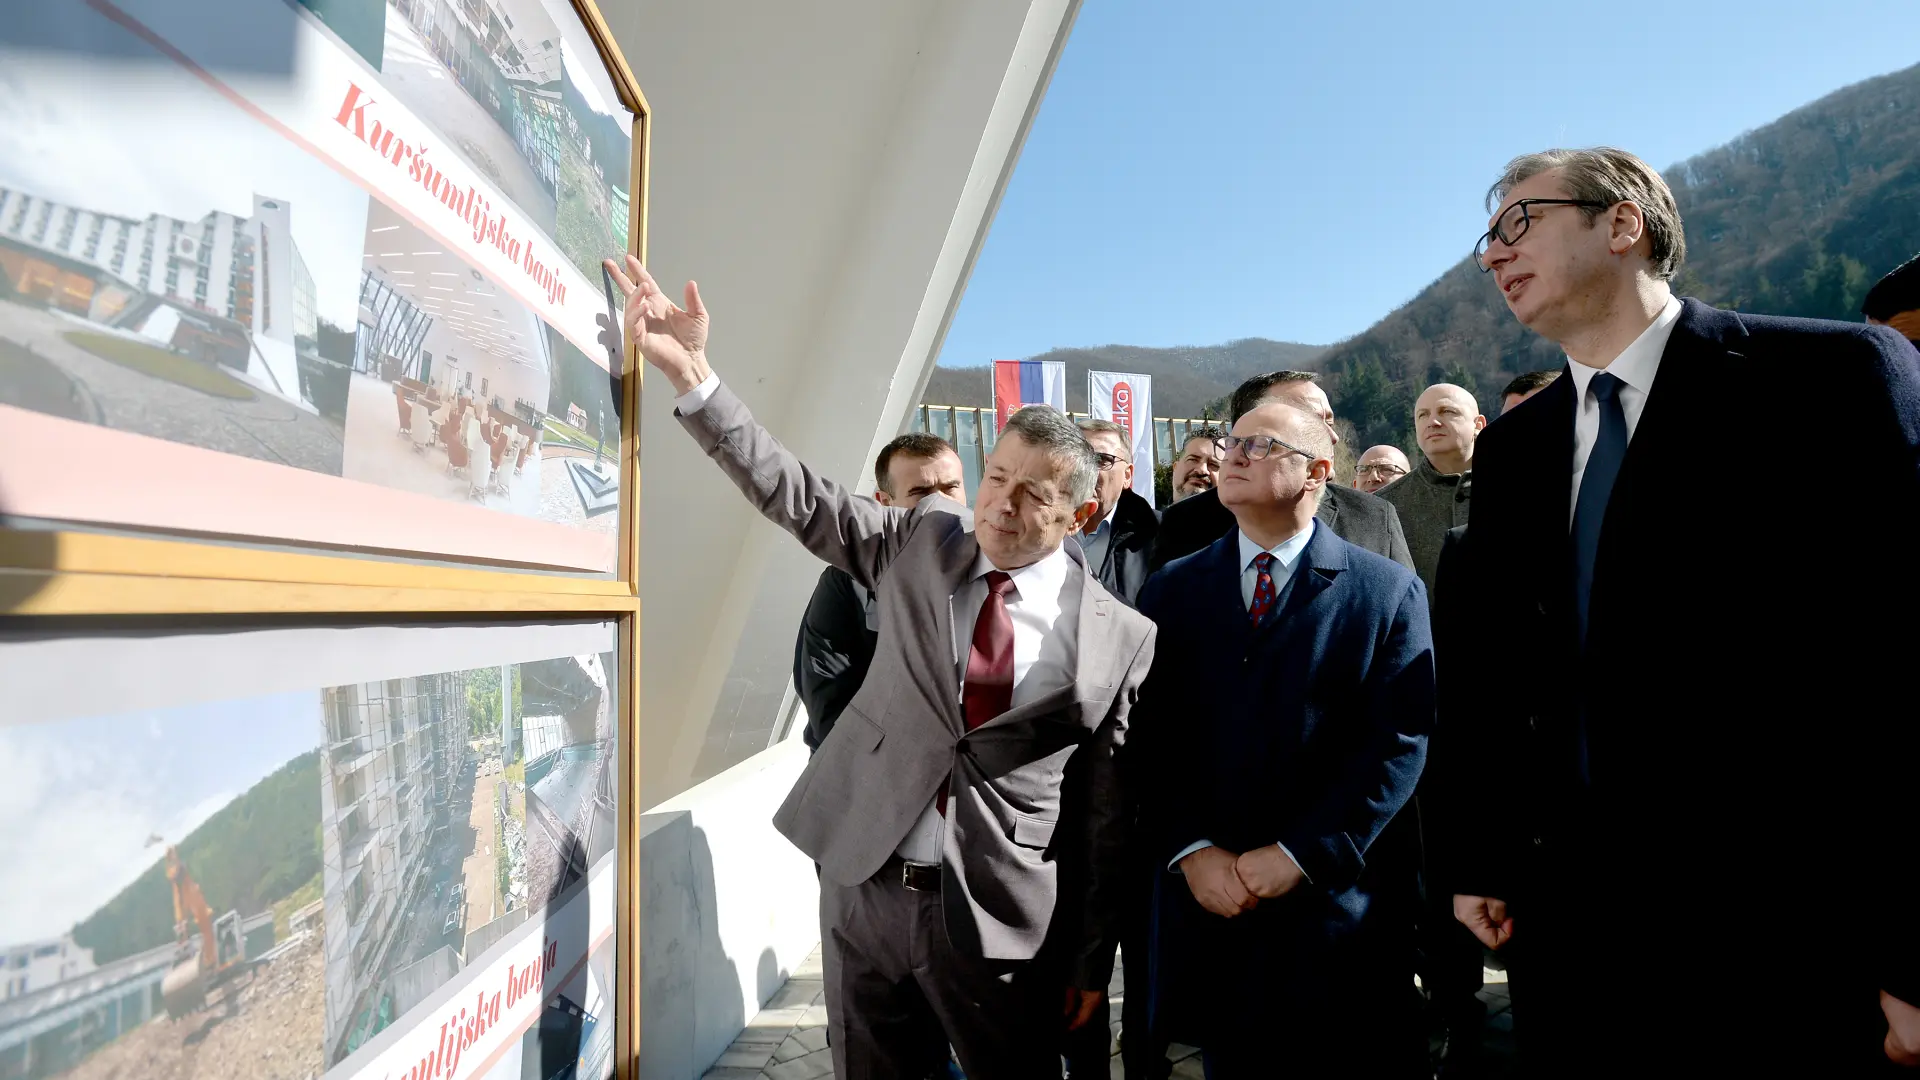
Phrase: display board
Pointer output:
(322, 272)
(320, 851)
(318, 540)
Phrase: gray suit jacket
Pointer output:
(1036, 818)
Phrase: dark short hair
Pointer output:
(1897, 292)
(1530, 382)
(1089, 425)
(1209, 433)
(914, 444)
(1248, 395)
(1608, 176)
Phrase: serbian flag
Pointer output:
(1027, 382)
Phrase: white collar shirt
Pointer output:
(1286, 555)
(1635, 367)
(1044, 608)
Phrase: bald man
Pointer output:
(1433, 497)
(1379, 466)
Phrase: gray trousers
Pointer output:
(890, 970)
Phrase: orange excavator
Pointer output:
(219, 952)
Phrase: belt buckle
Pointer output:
(907, 870)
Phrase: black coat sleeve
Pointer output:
(832, 652)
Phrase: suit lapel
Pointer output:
(1321, 563)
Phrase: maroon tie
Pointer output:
(988, 690)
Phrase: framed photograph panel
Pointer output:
(377, 851)
(318, 273)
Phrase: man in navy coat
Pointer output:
(1278, 735)
(1697, 699)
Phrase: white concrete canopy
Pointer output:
(827, 171)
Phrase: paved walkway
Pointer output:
(788, 1039)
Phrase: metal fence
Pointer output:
(970, 429)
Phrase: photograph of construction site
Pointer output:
(150, 286)
(264, 887)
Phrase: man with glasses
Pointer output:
(1120, 538)
(1199, 466)
(1354, 516)
(1379, 466)
(1278, 745)
(1692, 781)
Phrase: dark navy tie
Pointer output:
(1596, 487)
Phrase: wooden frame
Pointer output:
(98, 576)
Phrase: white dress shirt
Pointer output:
(1635, 367)
(1045, 610)
(1286, 556)
(1044, 607)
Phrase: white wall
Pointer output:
(728, 908)
(827, 172)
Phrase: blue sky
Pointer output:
(82, 796)
(1242, 168)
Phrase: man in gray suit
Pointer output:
(966, 811)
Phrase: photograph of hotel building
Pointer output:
(150, 288)
(226, 290)
(393, 838)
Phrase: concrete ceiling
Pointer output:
(827, 172)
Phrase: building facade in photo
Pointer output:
(227, 289)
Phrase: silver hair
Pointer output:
(1089, 425)
(1048, 428)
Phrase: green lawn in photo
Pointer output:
(161, 364)
(584, 230)
(567, 434)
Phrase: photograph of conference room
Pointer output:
(486, 73)
(197, 291)
(450, 376)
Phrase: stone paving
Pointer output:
(788, 1039)
(264, 428)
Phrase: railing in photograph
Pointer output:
(970, 429)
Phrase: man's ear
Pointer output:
(880, 496)
(1084, 513)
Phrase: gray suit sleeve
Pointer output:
(1106, 809)
(1397, 548)
(853, 533)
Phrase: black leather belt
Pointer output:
(919, 876)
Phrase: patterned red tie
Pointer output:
(988, 690)
(1262, 588)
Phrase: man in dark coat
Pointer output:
(1279, 734)
(1360, 519)
(1119, 541)
(1684, 691)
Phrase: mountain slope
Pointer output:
(251, 852)
(1798, 217)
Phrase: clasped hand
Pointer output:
(1228, 884)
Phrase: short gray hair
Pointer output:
(1049, 429)
(1606, 175)
(1089, 426)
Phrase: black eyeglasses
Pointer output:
(1107, 461)
(1513, 222)
(1380, 468)
(1257, 446)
